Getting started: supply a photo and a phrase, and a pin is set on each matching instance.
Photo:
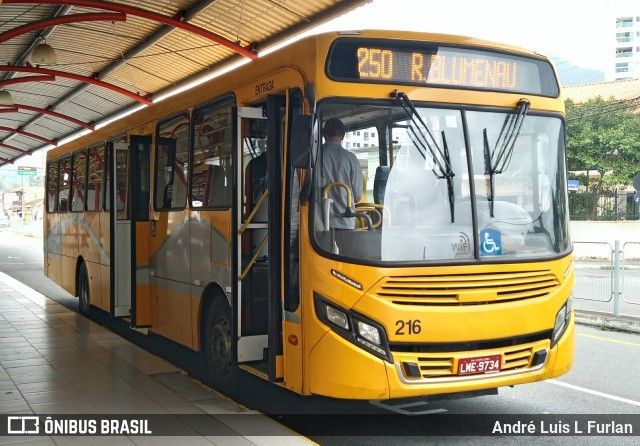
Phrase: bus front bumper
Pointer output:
(339, 369)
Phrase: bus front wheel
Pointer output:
(83, 290)
(217, 346)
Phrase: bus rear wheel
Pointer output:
(83, 290)
(218, 361)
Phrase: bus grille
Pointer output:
(435, 365)
(467, 289)
(442, 365)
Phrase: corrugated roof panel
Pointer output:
(97, 48)
(96, 101)
(53, 126)
(15, 16)
(165, 7)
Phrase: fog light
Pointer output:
(412, 370)
(539, 358)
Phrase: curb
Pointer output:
(605, 321)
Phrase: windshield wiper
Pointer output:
(498, 161)
(426, 141)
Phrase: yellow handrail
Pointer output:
(330, 186)
(253, 212)
(253, 259)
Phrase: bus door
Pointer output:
(252, 217)
(139, 180)
(122, 278)
(130, 198)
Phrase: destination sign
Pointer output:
(439, 65)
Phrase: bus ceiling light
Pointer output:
(44, 54)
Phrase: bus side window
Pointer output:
(52, 186)
(78, 193)
(64, 184)
(172, 154)
(95, 178)
(211, 155)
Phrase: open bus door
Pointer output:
(257, 308)
(252, 216)
(129, 198)
(120, 258)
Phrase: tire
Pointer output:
(84, 301)
(217, 351)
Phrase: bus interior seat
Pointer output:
(380, 183)
(220, 191)
(167, 195)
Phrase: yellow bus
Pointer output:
(210, 219)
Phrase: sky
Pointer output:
(579, 31)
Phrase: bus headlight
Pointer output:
(370, 337)
(337, 317)
(562, 321)
(369, 332)
(353, 327)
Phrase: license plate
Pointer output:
(479, 364)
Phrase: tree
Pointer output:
(604, 135)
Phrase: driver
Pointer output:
(340, 165)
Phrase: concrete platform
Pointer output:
(55, 362)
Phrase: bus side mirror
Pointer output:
(301, 141)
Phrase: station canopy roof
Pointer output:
(112, 56)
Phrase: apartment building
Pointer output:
(627, 56)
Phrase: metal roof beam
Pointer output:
(48, 23)
(139, 12)
(53, 142)
(24, 152)
(77, 77)
(63, 10)
(20, 80)
(152, 40)
(46, 111)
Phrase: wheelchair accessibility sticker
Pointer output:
(490, 242)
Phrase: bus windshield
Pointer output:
(441, 185)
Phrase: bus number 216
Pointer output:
(408, 327)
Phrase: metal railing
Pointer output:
(607, 278)
(604, 206)
(593, 262)
(631, 273)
